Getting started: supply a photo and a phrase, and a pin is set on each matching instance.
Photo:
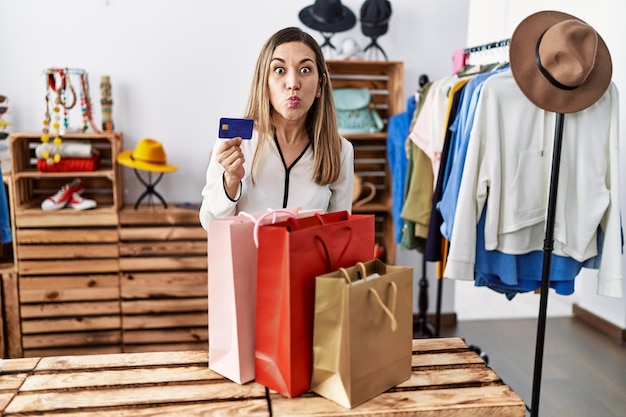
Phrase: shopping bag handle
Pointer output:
(329, 265)
(257, 221)
(390, 312)
(346, 275)
(322, 218)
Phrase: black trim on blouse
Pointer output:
(288, 169)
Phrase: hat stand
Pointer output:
(374, 48)
(327, 46)
(150, 191)
(548, 246)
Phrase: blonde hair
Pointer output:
(321, 122)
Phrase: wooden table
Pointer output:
(448, 380)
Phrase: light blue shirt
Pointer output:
(513, 274)
(461, 128)
(397, 133)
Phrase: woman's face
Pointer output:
(294, 81)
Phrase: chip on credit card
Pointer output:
(232, 128)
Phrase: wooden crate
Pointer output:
(12, 330)
(67, 250)
(69, 296)
(31, 187)
(164, 311)
(163, 260)
(66, 243)
(384, 79)
(62, 314)
(67, 260)
(3, 339)
(7, 249)
(448, 380)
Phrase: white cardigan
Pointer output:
(272, 180)
(508, 168)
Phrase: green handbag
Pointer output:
(355, 111)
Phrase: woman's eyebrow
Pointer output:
(302, 61)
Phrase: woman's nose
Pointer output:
(293, 83)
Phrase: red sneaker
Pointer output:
(63, 196)
(78, 203)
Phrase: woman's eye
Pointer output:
(305, 69)
(279, 70)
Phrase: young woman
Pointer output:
(296, 157)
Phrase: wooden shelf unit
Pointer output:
(385, 80)
(66, 260)
(31, 186)
(164, 279)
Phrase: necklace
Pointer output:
(45, 132)
(60, 99)
(54, 122)
(85, 104)
(67, 87)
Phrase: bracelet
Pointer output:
(226, 192)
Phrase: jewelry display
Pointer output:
(60, 99)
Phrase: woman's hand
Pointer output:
(230, 156)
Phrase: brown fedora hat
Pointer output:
(560, 63)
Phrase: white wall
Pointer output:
(497, 19)
(177, 66)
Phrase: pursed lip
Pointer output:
(293, 100)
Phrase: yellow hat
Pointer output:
(148, 155)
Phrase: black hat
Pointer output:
(375, 17)
(328, 16)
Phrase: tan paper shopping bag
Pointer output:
(362, 332)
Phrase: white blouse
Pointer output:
(276, 185)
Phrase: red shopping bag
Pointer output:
(232, 262)
(290, 255)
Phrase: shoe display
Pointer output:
(63, 196)
(79, 203)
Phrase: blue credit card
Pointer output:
(231, 128)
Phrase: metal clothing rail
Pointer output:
(487, 46)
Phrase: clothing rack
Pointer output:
(466, 52)
(548, 244)
(547, 248)
(425, 328)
